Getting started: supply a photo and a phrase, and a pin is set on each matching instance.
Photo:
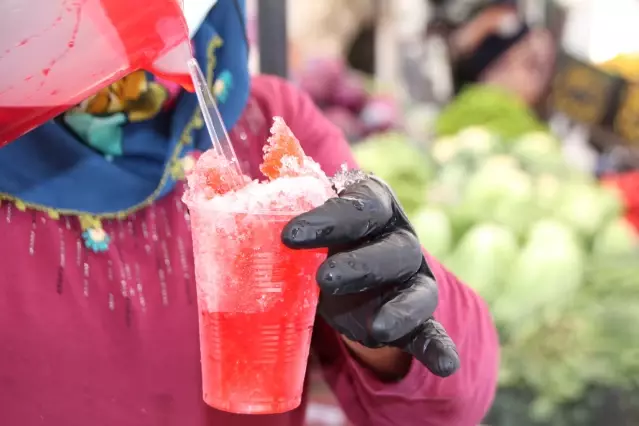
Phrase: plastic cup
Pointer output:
(257, 301)
(56, 53)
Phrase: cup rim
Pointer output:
(214, 209)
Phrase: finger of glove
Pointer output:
(407, 311)
(435, 349)
(393, 258)
(362, 211)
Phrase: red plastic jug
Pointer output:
(56, 53)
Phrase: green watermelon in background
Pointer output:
(546, 245)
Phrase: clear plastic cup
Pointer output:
(257, 302)
(56, 53)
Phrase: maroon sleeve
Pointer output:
(460, 400)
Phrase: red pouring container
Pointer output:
(56, 53)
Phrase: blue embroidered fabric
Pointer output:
(109, 164)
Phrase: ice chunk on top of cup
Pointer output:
(284, 156)
(295, 183)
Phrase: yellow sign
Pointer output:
(581, 93)
(627, 118)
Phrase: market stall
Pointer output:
(530, 197)
(541, 219)
(544, 243)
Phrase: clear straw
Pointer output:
(214, 124)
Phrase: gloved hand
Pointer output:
(376, 286)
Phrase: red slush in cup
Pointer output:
(257, 298)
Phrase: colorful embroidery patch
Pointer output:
(222, 86)
(101, 133)
(96, 240)
(98, 120)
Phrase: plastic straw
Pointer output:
(214, 124)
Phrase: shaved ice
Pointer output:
(295, 183)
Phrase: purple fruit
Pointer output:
(346, 121)
(350, 93)
(319, 77)
(380, 114)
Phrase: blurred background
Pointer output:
(510, 131)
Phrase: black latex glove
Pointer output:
(376, 286)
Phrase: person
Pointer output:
(496, 47)
(98, 318)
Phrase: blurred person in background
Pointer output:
(491, 44)
(98, 322)
(327, 29)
